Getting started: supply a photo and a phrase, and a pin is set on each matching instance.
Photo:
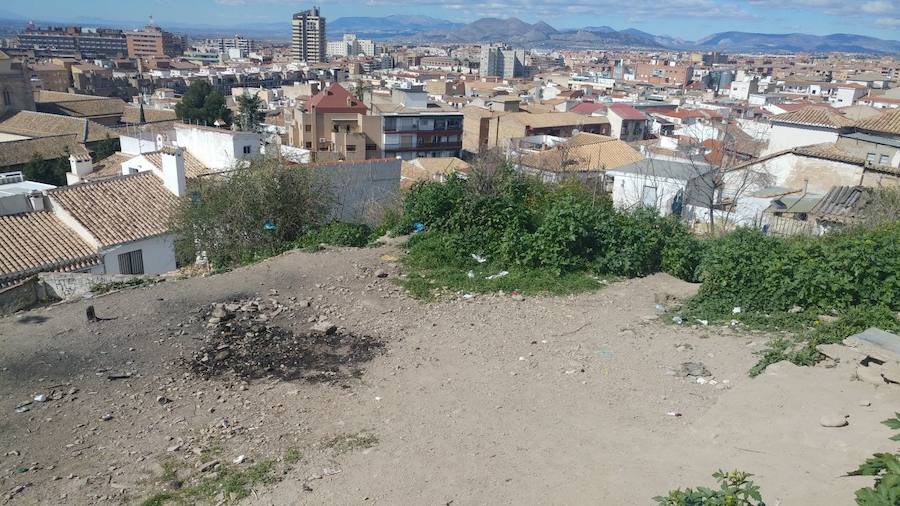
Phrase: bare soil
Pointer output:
(559, 400)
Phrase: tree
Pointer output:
(203, 104)
(46, 171)
(105, 148)
(251, 112)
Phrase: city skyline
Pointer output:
(687, 19)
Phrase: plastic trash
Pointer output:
(736, 310)
(471, 274)
(418, 227)
(677, 320)
(498, 275)
(478, 258)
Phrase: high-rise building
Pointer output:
(74, 39)
(308, 37)
(238, 44)
(154, 41)
(502, 61)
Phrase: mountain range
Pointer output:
(514, 31)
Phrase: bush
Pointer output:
(885, 467)
(337, 234)
(735, 489)
(255, 211)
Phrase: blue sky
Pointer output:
(689, 19)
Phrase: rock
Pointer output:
(870, 374)
(324, 327)
(696, 369)
(40, 398)
(163, 400)
(795, 309)
(517, 297)
(220, 312)
(877, 344)
(833, 421)
(865, 403)
(889, 371)
(107, 417)
(380, 273)
(840, 353)
(239, 459)
(208, 466)
(827, 318)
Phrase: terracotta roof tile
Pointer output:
(814, 116)
(40, 124)
(38, 242)
(889, 122)
(120, 209)
(192, 166)
(19, 152)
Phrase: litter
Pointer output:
(736, 310)
(468, 296)
(478, 258)
(471, 274)
(418, 227)
(703, 322)
(673, 413)
(677, 320)
(40, 398)
(498, 275)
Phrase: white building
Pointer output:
(666, 186)
(806, 126)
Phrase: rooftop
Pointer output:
(39, 241)
(814, 115)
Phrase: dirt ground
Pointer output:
(561, 400)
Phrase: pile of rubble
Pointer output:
(875, 354)
(243, 341)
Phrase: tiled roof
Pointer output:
(588, 108)
(605, 153)
(626, 112)
(19, 152)
(825, 151)
(425, 169)
(119, 209)
(79, 106)
(554, 119)
(192, 166)
(40, 124)
(336, 98)
(111, 166)
(888, 122)
(132, 115)
(843, 204)
(38, 242)
(814, 116)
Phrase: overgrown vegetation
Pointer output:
(260, 209)
(203, 104)
(337, 234)
(735, 489)
(230, 483)
(47, 171)
(549, 238)
(885, 467)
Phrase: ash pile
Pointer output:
(243, 342)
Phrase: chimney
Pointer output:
(173, 171)
(36, 199)
(81, 165)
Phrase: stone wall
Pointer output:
(20, 296)
(67, 285)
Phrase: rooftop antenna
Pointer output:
(151, 21)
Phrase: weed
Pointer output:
(735, 489)
(885, 467)
(101, 288)
(292, 456)
(230, 482)
(348, 442)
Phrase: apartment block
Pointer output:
(152, 41)
(502, 61)
(308, 37)
(75, 39)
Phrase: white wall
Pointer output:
(362, 190)
(783, 137)
(628, 190)
(217, 149)
(157, 252)
(136, 145)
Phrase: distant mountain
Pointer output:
(599, 29)
(797, 42)
(516, 32)
(386, 27)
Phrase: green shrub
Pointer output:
(735, 489)
(885, 467)
(337, 234)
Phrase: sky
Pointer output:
(688, 19)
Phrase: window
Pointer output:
(648, 196)
(307, 128)
(309, 145)
(7, 99)
(884, 159)
(351, 147)
(131, 262)
(870, 157)
(247, 150)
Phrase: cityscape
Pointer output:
(260, 252)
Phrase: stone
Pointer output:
(865, 403)
(208, 466)
(840, 353)
(833, 421)
(870, 374)
(795, 309)
(827, 318)
(324, 327)
(889, 371)
(695, 369)
(380, 273)
(876, 343)
(517, 297)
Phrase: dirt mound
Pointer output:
(242, 342)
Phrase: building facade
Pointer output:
(152, 41)
(75, 39)
(502, 61)
(308, 37)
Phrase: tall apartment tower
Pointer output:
(502, 61)
(308, 37)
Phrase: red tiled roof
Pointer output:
(336, 98)
(626, 111)
(588, 108)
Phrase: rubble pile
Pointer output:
(242, 341)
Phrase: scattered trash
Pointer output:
(673, 413)
(605, 353)
(471, 274)
(677, 320)
(735, 323)
(498, 275)
(418, 227)
(389, 258)
(703, 322)
(239, 459)
(118, 375)
(701, 380)
(478, 258)
(516, 296)
(23, 407)
(107, 417)
(468, 296)
(736, 310)
(40, 398)
(660, 309)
